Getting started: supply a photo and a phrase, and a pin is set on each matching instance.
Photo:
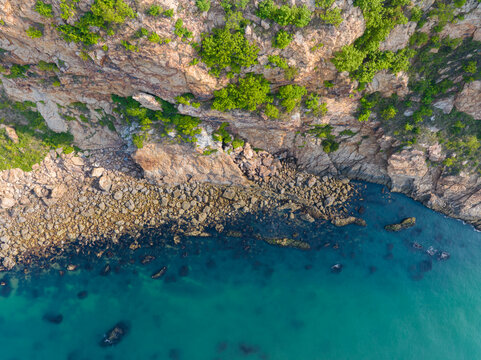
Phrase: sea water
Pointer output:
(240, 298)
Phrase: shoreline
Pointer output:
(77, 201)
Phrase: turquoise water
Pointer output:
(238, 298)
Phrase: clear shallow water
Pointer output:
(244, 299)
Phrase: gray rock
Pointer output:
(118, 195)
(229, 194)
(105, 183)
(7, 202)
(97, 172)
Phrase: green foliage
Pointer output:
(282, 39)
(389, 112)
(44, 9)
(186, 99)
(80, 32)
(182, 31)
(363, 59)
(34, 33)
(459, 3)
(45, 66)
(112, 11)
(222, 135)
(271, 111)
(316, 108)
(471, 67)
(226, 49)
(324, 132)
(129, 47)
(17, 71)
(289, 71)
(168, 13)
(418, 39)
(327, 14)
(155, 10)
(138, 140)
(249, 93)
(167, 120)
(237, 143)
(68, 8)
(365, 109)
(284, 15)
(230, 6)
(444, 13)
(291, 96)
(416, 14)
(203, 5)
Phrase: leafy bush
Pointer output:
(289, 71)
(471, 67)
(182, 31)
(282, 39)
(324, 132)
(221, 134)
(130, 47)
(45, 66)
(349, 58)
(203, 5)
(312, 103)
(250, 93)
(44, 9)
(418, 39)
(284, 15)
(112, 11)
(271, 111)
(389, 113)
(155, 10)
(34, 33)
(68, 8)
(17, 71)
(416, 14)
(291, 96)
(138, 140)
(328, 15)
(80, 32)
(225, 49)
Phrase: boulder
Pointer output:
(405, 224)
(105, 183)
(7, 202)
(339, 222)
(115, 335)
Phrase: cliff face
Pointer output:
(166, 71)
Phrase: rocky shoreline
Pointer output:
(79, 200)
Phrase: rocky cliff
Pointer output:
(151, 70)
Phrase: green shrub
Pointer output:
(331, 16)
(44, 9)
(418, 39)
(138, 140)
(155, 10)
(316, 108)
(291, 96)
(80, 32)
(237, 143)
(155, 38)
(168, 13)
(34, 33)
(389, 113)
(416, 14)
(249, 93)
(471, 67)
(130, 47)
(68, 8)
(182, 31)
(203, 5)
(226, 49)
(17, 71)
(45, 66)
(112, 11)
(349, 58)
(282, 39)
(271, 111)
(222, 135)
(284, 15)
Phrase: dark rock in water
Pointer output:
(248, 349)
(340, 221)
(308, 267)
(416, 245)
(431, 251)
(115, 335)
(146, 259)
(174, 354)
(106, 270)
(5, 288)
(210, 264)
(336, 268)
(443, 255)
(390, 246)
(425, 265)
(170, 279)
(158, 274)
(388, 256)
(222, 346)
(405, 224)
(361, 210)
(184, 270)
(53, 318)
(82, 294)
(61, 272)
(372, 269)
(286, 242)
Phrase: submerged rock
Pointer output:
(348, 221)
(53, 318)
(336, 268)
(160, 273)
(82, 294)
(287, 242)
(146, 259)
(405, 224)
(115, 335)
